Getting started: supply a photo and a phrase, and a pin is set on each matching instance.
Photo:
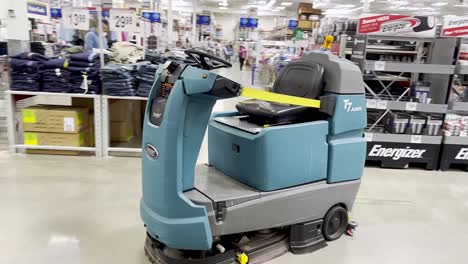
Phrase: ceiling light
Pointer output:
(271, 3)
(275, 10)
(223, 4)
(344, 6)
(461, 6)
(222, 7)
(286, 3)
(439, 4)
(280, 8)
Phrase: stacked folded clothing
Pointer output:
(145, 78)
(26, 71)
(85, 65)
(55, 77)
(119, 79)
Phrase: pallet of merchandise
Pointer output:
(454, 153)
(402, 151)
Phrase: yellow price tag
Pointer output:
(279, 98)
(29, 116)
(30, 139)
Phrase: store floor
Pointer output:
(58, 209)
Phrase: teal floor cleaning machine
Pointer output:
(280, 177)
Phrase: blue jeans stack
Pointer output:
(85, 64)
(26, 71)
(146, 76)
(55, 78)
(119, 79)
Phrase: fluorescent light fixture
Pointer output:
(223, 4)
(261, 2)
(439, 4)
(223, 8)
(344, 6)
(271, 3)
(280, 8)
(466, 6)
(286, 4)
(275, 10)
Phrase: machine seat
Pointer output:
(298, 78)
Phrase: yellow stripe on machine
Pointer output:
(279, 98)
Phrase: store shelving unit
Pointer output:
(384, 66)
(12, 98)
(133, 146)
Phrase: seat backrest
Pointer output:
(300, 78)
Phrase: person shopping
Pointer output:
(242, 55)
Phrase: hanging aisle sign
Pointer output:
(75, 18)
(398, 25)
(38, 10)
(248, 22)
(203, 20)
(292, 24)
(122, 20)
(243, 22)
(253, 23)
(455, 26)
(153, 17)
(56, 13)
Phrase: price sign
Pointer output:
(416, 139)
(379, 66)
(381, 105)
(371, 103)
(123, 20)
(75, 18)
(411, 106)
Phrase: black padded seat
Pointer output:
(297, 78)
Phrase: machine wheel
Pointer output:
(335, 223)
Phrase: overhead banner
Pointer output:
(76, 18)
(203, 20)
(153, 17)
(56, 13)
(398, 25)
(38, 10)
(292, 24)
(455, 26)
(123, 20)
(248, 22)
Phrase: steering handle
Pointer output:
(212, 63)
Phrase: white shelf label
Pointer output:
(381, 105)
(122, 20)
(68, 124)
(369, 137)
(76, 18)
(416, 139)
(379, 66)
(371, 103)
(411, 106)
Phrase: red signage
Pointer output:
(455, 26)
(398, 25)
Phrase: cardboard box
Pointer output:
(305, 24)
(307, 8)
(121, 110)
(121, 131)
(54, 119)
(56, 139)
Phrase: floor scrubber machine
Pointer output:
(280, 177)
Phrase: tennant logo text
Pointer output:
(348, 106)
(396, 153)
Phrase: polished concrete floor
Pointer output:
(57, 209)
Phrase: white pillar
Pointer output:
(170, 20)
(17, 26)
(194, 23)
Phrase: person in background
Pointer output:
(301, 53)
(92, 37)
(242, 55)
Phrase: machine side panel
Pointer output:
(281, 208)
(168, 214)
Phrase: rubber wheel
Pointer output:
(335, 223)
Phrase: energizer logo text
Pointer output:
(463, 154)
(396, 153)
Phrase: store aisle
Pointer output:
(83, 210)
